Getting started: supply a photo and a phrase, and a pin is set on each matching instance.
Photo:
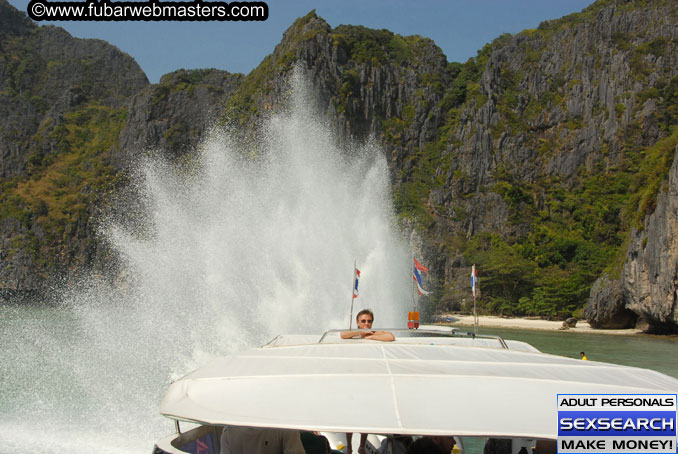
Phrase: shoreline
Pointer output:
(492, 321)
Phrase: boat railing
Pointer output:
(334, 335)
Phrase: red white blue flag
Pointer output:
(420, 267)
(356, 278)
(417, 277)
(474, 280)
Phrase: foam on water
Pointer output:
(229, 253)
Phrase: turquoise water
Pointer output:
(658, 353)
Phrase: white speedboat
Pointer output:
(427, 382)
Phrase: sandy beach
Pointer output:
(530, 323)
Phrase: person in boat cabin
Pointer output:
(398, 444)
(432, 445)
(257, 440)
(364, 320)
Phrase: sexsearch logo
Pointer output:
(617, 423)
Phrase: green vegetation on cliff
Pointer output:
(64, 111)
(61, 188)
(561, 233)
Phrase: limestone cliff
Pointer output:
(543, 160)
(551, 144)
(650, 274)
(645, 293)
(76, 113)
(61, 100)
(174, 114)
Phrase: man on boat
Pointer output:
(583, 356)
(364, 320)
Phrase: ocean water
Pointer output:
(638, 350)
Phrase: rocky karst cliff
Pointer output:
(75, 113)
(645, 293)
(574, 129)
(174, 114)
(536, 160)
(60, 99)
(650, 274)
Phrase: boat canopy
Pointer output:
(422, 386)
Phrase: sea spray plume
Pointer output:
(230, 251)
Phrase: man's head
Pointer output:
(432, 445)
(445, 443)
(364, 319)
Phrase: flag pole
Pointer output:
(475, 312)
(475, 316)
(414, 304)
(350, 319)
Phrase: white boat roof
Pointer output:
(420, 386)
(302, 339)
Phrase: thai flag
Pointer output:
(474, 280)
(419, 266)
(417, 277)
(356, 277)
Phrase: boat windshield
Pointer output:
(425, 335)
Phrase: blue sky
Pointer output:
(459, 27)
